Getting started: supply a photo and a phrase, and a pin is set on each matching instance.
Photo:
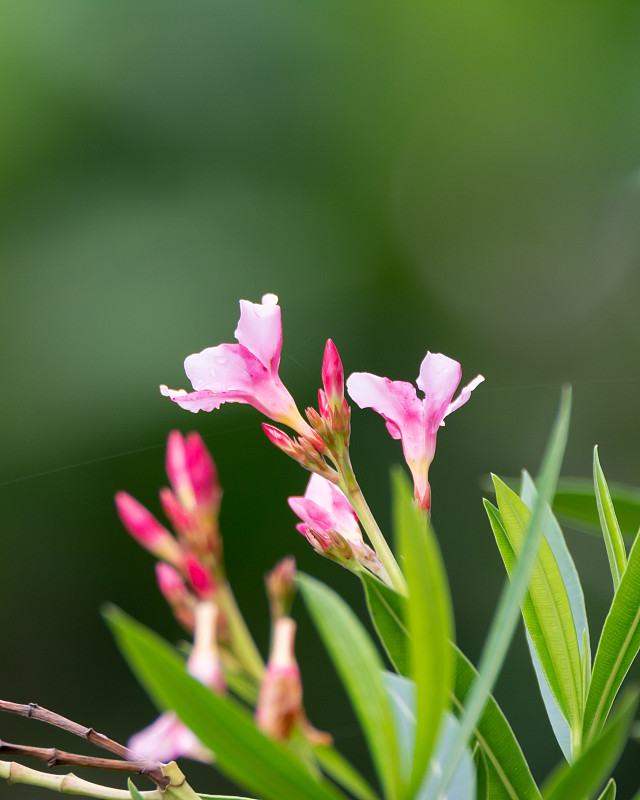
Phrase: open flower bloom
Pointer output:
(411, 419)
(331, 525)
(246, 372)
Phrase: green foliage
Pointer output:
(360, 668)
(609, 523)
(575, 504)
(618, 646)
(387, 609)
(429, 620)
(222, 724)
(582, 779)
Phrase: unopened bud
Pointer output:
(281, 587)
(192, 472)
(281, 440)
(146, 529)
(176, 594)
(333, 376)
(200, 578)
(204, 661)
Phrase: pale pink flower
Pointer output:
(411, 419)
(246, 372)
(330, 524)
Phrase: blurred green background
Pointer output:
(455, 176)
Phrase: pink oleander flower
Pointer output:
(246, 372)
(331, 526)
(411, 419)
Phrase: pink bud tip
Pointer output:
(169, 582)
(333, 375)
(200, 578)
(279, 439)
(140, 523)
(203, 472)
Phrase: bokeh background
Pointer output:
(455, 176)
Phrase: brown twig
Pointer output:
(34, 711)
(131, 763)
(55, 758)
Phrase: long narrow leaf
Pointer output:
(429, 617)
(242, 751)
(582, 779)
(508, 612)
(609, 523)
(342, 772)
(360, 668)
(618, 646)
(575, 504)
(387, 610)
(609, 791)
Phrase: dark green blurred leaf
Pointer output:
(337, 767)
(429, 619)
(360, 668)
(582, 779)
(242, 751)
(609, 791)
(482, 774)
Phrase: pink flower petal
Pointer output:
(167, 739)
(464, 395)
(439, 378)
(260, 330)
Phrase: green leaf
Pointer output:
(581, 779)
(609, 791)
(360, 668)
(618, 646)
(387, 611)
(546, 610)
(222, 797)
(337, 767)
(609, 523)
(243, 752)
(509, 774)
(508, 612)
(133, 790)
(462, 785)
(429, 620)
(482, 774)
(575, 504)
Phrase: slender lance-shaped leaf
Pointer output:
(387, 610)
(618, 646)
(609, 522)
(508, 612)
(510, 776)
(582, 779)
(482, 774)
(547, 614)
(429, 617)
(242, 751)
(609, 791)
(360, 669)
(337, 767)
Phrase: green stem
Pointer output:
(244, 648)
(349, 486)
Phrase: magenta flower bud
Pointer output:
(146, 529)
(323, 405)
(203, 473)
(200, 578)
(176, 594)
(180, 518)
(281, 440)
(333, 376)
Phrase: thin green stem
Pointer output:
(350, 487)
(244, 648)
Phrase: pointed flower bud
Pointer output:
(176, 594)
(415, 421)
(200, 578)
(280, 710)
(204, 662)
(192, 472)
(146, 529)
(281, 587)
(333, 376)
